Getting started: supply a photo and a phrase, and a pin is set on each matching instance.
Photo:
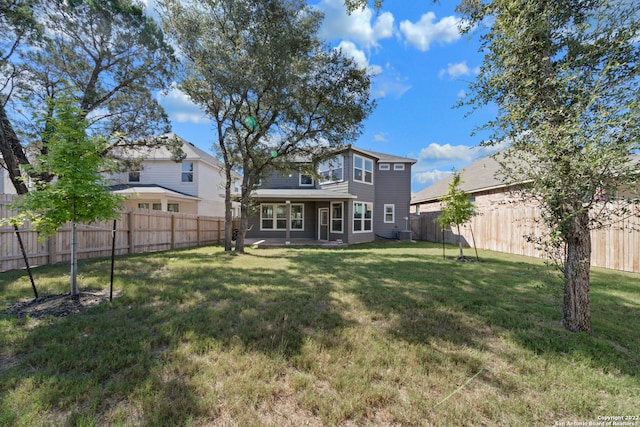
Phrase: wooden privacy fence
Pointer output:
(137, 231)
(505, 229)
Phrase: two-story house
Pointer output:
(194, 186)
(359, 195)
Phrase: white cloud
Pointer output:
(390, 84)
(357, 26)
(431, 176)
(426, 31)
(380, 137)
(458, 153)
(462, 93)
(180, 108)
(349, 49)
(437, 161)
(447, 152)
(456, 70)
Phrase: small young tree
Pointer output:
(79, 194)
(457, 208)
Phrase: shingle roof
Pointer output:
(317, 194)
(383, 158)
(149, 189)
(478, 176)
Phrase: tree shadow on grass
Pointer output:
(428, 299)
(79, 366)
(266, 303)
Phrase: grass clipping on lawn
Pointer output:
(378, 334)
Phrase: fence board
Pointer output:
(505, 229)
(136, 231)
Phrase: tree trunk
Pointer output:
(461, 256)
(74, 261)
(243, 225)
(12, 152)
(228, 211)
(576, 315)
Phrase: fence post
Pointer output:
(173, 231)
(198, 238)
(130, 234)
(52, 249)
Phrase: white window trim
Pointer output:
(398, 166)
(362, 220)
(341, 168)
(393, 213)
(313, 181)
(331, 218)
(192, 172)
(275, 217)
(384, 166)
(133, 180)
(364, 169)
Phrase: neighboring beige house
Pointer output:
(480, 180)
(194, 185)
(506, 222)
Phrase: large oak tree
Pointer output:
(565, 77)
(272, 88)
(107, 54)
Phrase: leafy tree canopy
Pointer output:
(105, 54)
(273, 89)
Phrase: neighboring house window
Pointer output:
(384, 166)
(143, 205)
(389, 213)
(398, 167)
(236, 186)
(336, 217)
(187, 171)
(157, 206)
(173, 207)
(306, 180)
(362, 169)
(362, 217)
(331, 170)
(134, 176)
(274, 217)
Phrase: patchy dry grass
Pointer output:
(381, 334)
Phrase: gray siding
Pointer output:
(364, 192)
(392, 187)
(280, 180)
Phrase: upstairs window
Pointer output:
(306, 180)
(362, 169)
(134, 176)
(331, 170)
(187, 171)
(398, 166)
(384, 166)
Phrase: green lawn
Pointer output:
(381, 334)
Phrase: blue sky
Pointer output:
(423, 65)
